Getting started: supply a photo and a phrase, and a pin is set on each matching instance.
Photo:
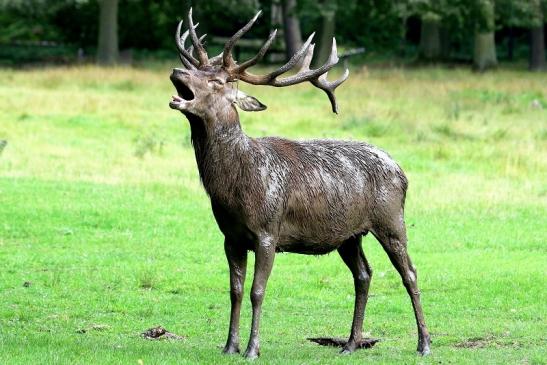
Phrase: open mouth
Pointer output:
(183, 91)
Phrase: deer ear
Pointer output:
(248, 103)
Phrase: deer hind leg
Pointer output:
(394, 241)
(352, 254)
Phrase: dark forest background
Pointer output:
(481, 33)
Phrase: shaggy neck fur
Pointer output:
(221, 150)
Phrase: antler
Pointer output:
(321, 81)
(185, 55)
(202, 54)
(318, 76)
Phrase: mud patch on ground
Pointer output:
(365, 343)
(487, 341)
(160, 333)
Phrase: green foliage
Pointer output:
(374, 24)
(484, 15)
(520, 13)
(24, 19)
(388, 28)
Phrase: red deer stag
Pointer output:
(273, 195)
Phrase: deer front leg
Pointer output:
(264, 258)
(237, 261)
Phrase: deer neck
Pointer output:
(222, 152)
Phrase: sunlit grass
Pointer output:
(101, 211)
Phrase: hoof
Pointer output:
(424, 352)
(346, 351)
(230, 349)
(348, 348)
(423, 346)
(252, 353)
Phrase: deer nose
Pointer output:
(180, 71)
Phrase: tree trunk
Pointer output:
(430, 40)
(446, 43)
(293, 37)
(107, 50)
(276, 22)
(328, 23)
(537, 41)
(511, 44)
(484, 55)
(537, 49)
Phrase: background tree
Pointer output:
(327, 10)
(291, 27)
(484, 49)
(525, 14)
(108, 49)
(537, 39)
(430, 15)
(440, 19)
(430, 37)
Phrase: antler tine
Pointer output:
(185, 62)
(201, 53)
(191, 48)
(306, 61)
(310, 74)
(317, 77)
(321, 81)
(269, 79)
(253, 61)
(328, 87)
(227, 59)
(294, 59)
(185, 57)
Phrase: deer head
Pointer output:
(205, 87)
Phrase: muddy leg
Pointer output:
(237, 261)
(353, 256)
(394, 243)
(264, 258)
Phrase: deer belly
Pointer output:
(322, 225)
(307, 248)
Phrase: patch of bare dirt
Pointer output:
(487, 341)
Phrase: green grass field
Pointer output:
(102, 213)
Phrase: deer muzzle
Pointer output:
(181, 80)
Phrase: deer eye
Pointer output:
(216, 82)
